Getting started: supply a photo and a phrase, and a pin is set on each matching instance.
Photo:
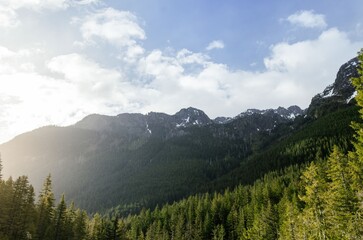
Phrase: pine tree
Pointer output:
(80, 225)
(69, 222)
(97, 228)
(60, 220)
(314, 214)
(111, 231)
(45, 209)
(342, 201)
(289, 218)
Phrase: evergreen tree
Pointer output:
(60, 220)
(80, 225)
(69, 222)
(341, 199)
(314, 214)
(289, 223)
(97, 229)
(45, 208)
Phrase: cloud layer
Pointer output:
(64, 88)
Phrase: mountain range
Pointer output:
(136, 160)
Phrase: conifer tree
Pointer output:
(69, 222)
(342, 201)
(289, 218)
(45, 209)
(314, 214)
(80, 225)
(60, 220)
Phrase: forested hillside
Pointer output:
(203, 159)
(317, 198)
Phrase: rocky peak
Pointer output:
(136, 125)
(340, 92)
(289, 113)
(342, 86)
(191, 116)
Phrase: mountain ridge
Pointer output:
(148, 159)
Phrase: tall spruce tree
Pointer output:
(45, 209)
(60, 220)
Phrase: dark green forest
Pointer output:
(309, 186)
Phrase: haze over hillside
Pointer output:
(156, 158)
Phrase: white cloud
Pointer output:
(34, 4)
(16, 61)
(294, 74)
(92, 81)
(8, 8)
(8, 18)
(217, 44)
(44, 4)
(117, 27)
(86, 2)
(307, 19)
(312, 63)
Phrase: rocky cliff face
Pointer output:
(285, 113)
(337, 94)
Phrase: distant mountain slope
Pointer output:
(144, 160)
(307, 140)
(139, 158)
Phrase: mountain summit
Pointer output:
(337, 94)
(191, 116)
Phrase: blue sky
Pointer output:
(61, 60)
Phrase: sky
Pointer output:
(61, 60)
